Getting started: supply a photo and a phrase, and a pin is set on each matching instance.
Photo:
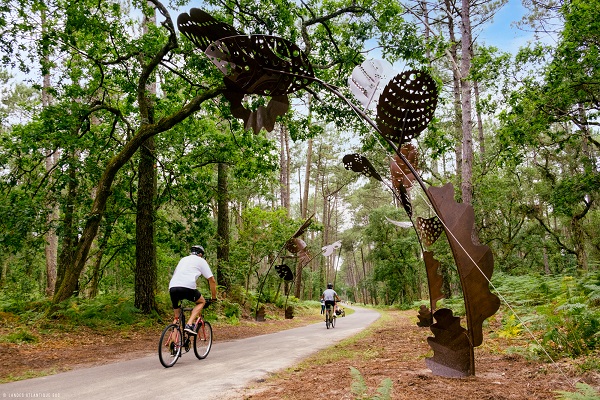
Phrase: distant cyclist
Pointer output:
(330, 296)
(183, 284)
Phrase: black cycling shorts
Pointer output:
(330, 303)
(180, 293)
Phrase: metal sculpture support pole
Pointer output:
(261, 285)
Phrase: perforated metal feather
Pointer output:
(429, 229)
(202, 29)
(261, 64)
(360, 164)
(406, 106)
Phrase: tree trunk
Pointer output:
(284, 168)
(69, 239)
(222, 226)
(456, 89)
(51, 249)
(467, 130)
(479, 123)
(304, 203)
(145, 249)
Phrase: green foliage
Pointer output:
(360, 390)
(557, 309)
(20, 336)
(584, 392)
(111, 310)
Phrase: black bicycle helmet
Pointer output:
(197, 249)
(330, 286)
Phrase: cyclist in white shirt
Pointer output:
(183, 284)
(330, 296)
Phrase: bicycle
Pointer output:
(175, 341)
(329, 317)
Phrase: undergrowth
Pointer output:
(105, 312)
(558, 315)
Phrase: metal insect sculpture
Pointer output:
(271, 66)
(251, 64)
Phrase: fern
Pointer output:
(358, 386)
(360, 389)
(584, 392)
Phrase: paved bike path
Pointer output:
(229, 366)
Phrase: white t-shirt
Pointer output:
(329, 294)
(188, 270)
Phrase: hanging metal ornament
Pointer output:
(368, 79)
(406, 106)
(401, 173)
(357, 163)
(328, 250)
(256, 64)
(429, 229)
(284, 272)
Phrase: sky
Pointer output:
(501, 33)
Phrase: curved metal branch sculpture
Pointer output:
(271, 66)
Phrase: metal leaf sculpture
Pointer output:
(284, 272)
(368, 79)
(256, 64)
(452, 351)
(425, 317)
(405, 200)
(475, 263)
(406, 106)
(357, 163)
(298, 246)
(303, 227)
(202, 29)
(434, 279)
(429, 229)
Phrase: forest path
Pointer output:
(229, 366)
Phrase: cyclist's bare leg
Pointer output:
(176, 313)
(197, 310)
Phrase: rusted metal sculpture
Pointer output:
(401, 174)
(271, 66)
(284, 272)
(252, 64)
(360, 164)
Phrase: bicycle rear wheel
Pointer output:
(169, 346)
(328, 317)
(203, 341)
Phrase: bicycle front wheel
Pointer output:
(169, 346)
(203, 340)
(333, 320)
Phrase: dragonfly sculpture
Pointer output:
(405, 103)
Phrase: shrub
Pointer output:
(20, 336)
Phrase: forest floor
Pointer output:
(394, 347)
